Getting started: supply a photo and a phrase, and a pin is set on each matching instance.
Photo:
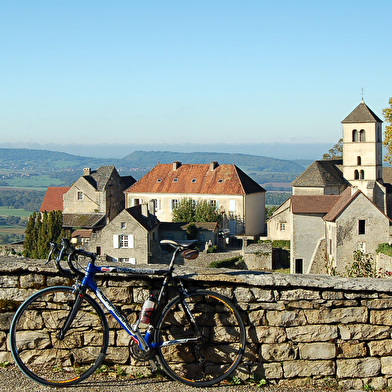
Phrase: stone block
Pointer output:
(380, 348)
(117, 355)
(381, 317)
(358, 367)
(278, 352)
(268, 371)
(33, 281)
(332, 295)
(351, 349)
(363, 332)
(265, 334)
(382, 303)
(3, 341)
(386, 365)
(312, 333)
(117, 294)
(262, 295)
(285, 318)
(244, 294)
(297, 294)
(304, 368)
(257, 317)
(5, 321)
(338, 315)
(317, 350)
(8, 281)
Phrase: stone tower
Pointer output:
(362, 152)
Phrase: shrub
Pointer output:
(234, 263)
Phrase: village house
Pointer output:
(240, 199)
(95, 198)
(130, 237)
(338, 206)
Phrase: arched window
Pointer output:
(359, 160)
(356, 175)
(361, 175)
(355, 135)
(362, 135)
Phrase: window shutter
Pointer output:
(130, 241)
(116, 242)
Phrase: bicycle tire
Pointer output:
(214, 357)
(35, 345)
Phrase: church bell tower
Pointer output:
(362, 149)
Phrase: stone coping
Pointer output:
(14, 265)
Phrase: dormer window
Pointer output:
(80, 195)
(193, 180)
(175, 180)
(159, 179)
(220, 181)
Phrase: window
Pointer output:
(123, 241)
(362, 135)
(299, 266)
(159, 179)
(157, 204)
(80, 195)
(355, 135)
(361, 227)
(175, 179)
(231, 205)
(123, 225)
(193, 180)
(356, 175)
(98, 251)
(213, 203)
(282, 226)
(220, 181)
(136, 202)
(359, 160)
(174, 204)
(361, 175)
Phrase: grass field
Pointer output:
(5, 211)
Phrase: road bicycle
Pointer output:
(59, 336)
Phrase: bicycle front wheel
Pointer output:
(45, 356)
(205, 353)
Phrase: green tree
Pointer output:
(185, 211)
(40, 231)
(387, 113)
(188, 211)
(336, 152)
(206, 211)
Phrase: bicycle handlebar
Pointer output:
(68, 249)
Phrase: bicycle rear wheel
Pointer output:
(39, 351)
(211, 357)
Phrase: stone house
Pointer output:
(128, 237)
(95, 198)
(240, 199)
(318, 237)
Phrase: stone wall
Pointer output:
(301, 329)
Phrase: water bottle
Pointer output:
(147, 309)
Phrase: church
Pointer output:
(339, 206)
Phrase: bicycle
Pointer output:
(59, 335)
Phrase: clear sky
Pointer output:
(201, 71)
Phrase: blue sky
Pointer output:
(206, 72)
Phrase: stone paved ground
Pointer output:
(12, 380)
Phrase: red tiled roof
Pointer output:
(313, 204)
(82, 233)
(344, 200)
(53, 199)
(196, 178)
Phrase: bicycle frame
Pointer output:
(144, 342)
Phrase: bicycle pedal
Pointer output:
(153, 365)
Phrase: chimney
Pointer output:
(176, 165)
(86, 171)
(213, 165)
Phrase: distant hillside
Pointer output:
(63, 169)
(144, 159)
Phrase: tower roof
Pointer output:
(361, 114)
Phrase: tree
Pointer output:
(40, 231)
(387, 113)
(188, 211)
(336, 152)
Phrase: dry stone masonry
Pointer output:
(309, 329)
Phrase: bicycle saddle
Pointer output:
(185, 244)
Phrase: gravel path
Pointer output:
(12, 380)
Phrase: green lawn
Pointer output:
(38, 182)
(6, 211)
